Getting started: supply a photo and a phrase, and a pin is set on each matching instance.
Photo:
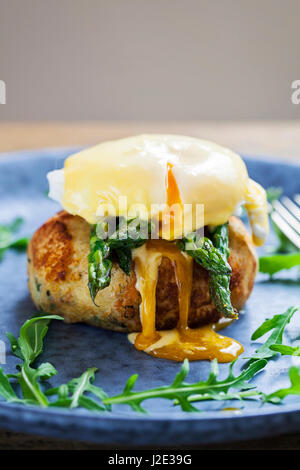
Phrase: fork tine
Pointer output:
(291, 206)
(287, 216)
(286, 229)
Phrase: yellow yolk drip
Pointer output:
(146, 267)
(256, 206)
(182, 342)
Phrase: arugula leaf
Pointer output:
(240, 395)
(6, 390)
(277, 325)
(274, 263)
(90, 404)
(28, 380)
(294, 389)
(46, 371)
(6, 237)
(15, 346)
(20, 244)
(30, 343)
(71, 395)
(16, 224)
(28, 347)
(183, 392)
(286, 350)
(77, 387)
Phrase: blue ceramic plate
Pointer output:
(73, 348)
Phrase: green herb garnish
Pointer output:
(212, 255)
(277, 325)
(28, 348)
(274, 263)
(285, 350)
(81, 392)
(6, 390)
(7, 237)
(118, 246)
(183, 393)
(294, 389)
(72, 394)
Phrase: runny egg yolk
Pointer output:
(173, 194)
(170, 220)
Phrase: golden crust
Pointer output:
(58, 278)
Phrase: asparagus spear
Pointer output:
(219, 285)
(204, 252)
(212, 255)
(220, 239)
(119, 245)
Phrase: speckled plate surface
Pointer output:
(73, 348)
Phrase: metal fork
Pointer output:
(286, 215)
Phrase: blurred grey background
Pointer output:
(149, 59)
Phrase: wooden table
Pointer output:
(275, 138)
(280, 139)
